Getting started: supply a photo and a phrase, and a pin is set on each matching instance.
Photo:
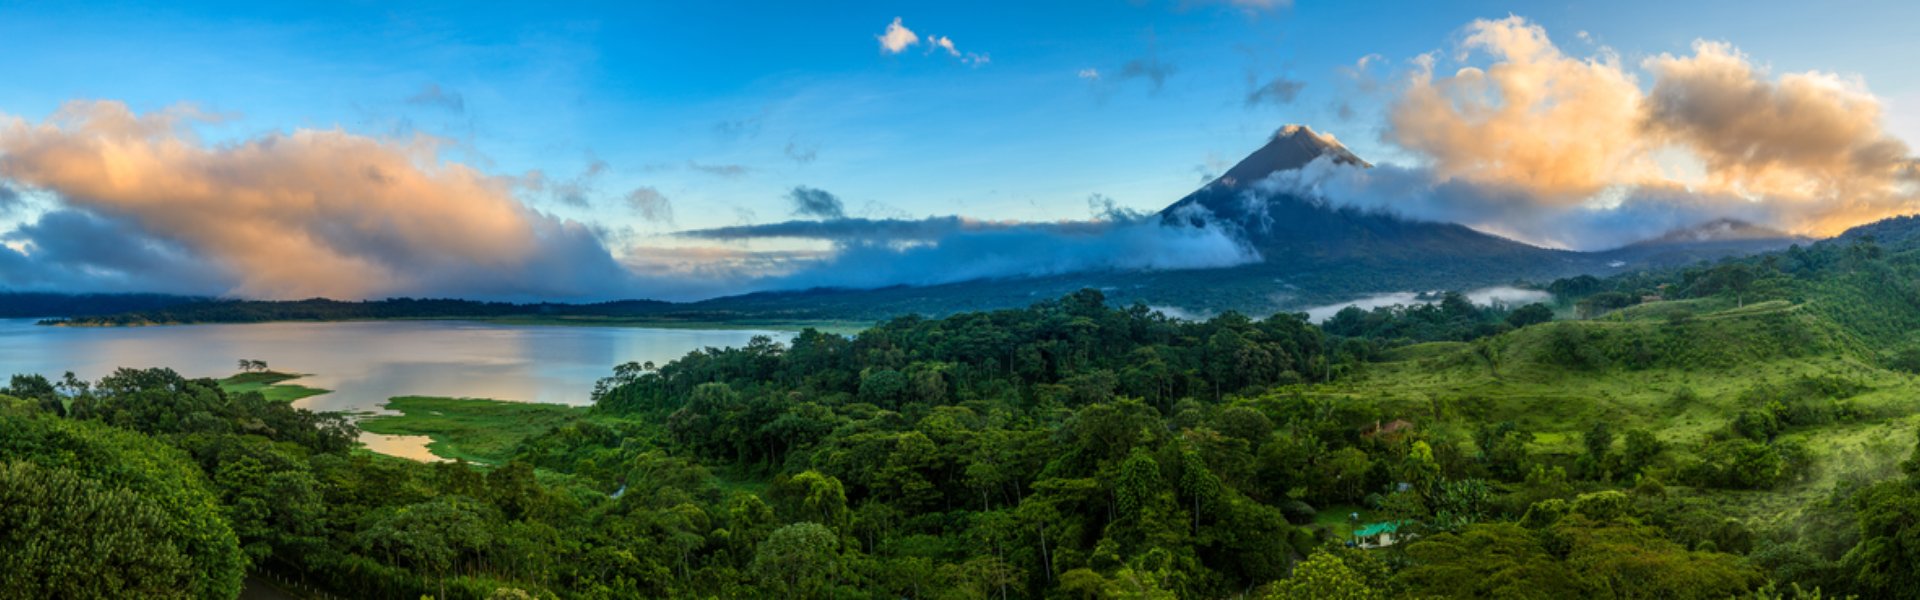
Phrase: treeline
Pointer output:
(35, 305)
(1363, 333)
(322, 309)
(1869, 288)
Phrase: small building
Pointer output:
(1390, 429)
(1379, 535)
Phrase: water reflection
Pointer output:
(364, 363)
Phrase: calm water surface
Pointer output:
(365, 363)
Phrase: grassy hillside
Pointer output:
(1687, 372)
(1677, 380)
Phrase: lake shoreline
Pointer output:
(527, 321)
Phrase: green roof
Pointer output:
(1379, 528)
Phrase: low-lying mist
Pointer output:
(1488, 296)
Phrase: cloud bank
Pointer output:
(936, 250)
(811, 202)
(884, 230)
(1525, 140)
(308, 213)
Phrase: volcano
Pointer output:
(1291, 228)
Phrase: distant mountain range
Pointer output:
(1312, 254)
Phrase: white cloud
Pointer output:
(897, 38)
(1250, 6)
(943, 43)
(1093, 74)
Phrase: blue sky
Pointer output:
(724, 108)
(649, 88)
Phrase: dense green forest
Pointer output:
(1738, 429)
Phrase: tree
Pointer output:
(1531, 314)
(38, 389)
(1499, 560)
(812, 496)
(1886, 562)
(435, 537)
(88, 511)
(1503, 449)
(64, 536)
(1599, 441)
(1199, 484)
(1730, 278)
(797, 560)
(1328, 576)
(1139, 484)
(1642, 451)
(1573, 557)
(1419, 470)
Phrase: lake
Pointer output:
(367, 362)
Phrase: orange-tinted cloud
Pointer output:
(1563, 126)
(1553, 130)
(312, 212)
(1812, 139)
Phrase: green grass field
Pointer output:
(270, 384)
(472, 429)
(1337, 519)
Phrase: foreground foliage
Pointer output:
(1739, 429)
